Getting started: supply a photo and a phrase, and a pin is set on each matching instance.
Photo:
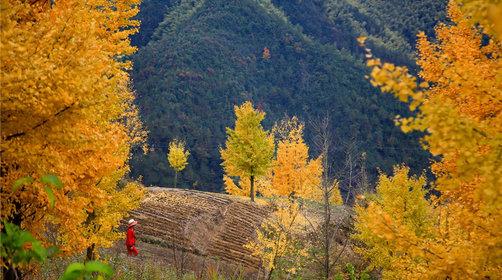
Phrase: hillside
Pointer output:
(391, 26)
(202, 228)
(151, 14)
(203, 224)
(344, 152)
(207, 56)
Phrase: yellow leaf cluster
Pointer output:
(178, 155)
(249, 148)
(243, 186)
(65, 99)
(277, 237)
(293, 174)
(101, 224)
(459, 108)
(484, 12)
(333, 194)
(396, 220)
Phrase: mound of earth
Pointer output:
(200, 231)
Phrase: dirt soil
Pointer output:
(195, 230)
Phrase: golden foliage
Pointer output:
(485, 12)
(293, 173)
(249, 148)
(178, 155)
(335, 196)
(398, 208)
(278, 237)
(101, 227)
(243, 186)
(64, 103)
(333, 193)
(459, 105)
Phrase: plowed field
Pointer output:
(196, 230)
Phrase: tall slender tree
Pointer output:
(177, 157)
(328, 195)
(249, 148)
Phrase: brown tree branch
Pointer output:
(22, 133)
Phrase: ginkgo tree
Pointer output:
(293, 174)
(278, 242)
(242, 187)
(486, 13)
(67, 110)
(249, 148)
(458, 104)
(177, 157)
(20, 251)
(102, 221)
(399, 201)
(293, 179)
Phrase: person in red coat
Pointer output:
(131, 238)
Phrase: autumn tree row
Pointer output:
(276, 164)
(271, 163)
(406, 231)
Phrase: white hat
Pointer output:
(132, 222)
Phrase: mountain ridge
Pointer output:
(207, 56)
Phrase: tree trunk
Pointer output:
(90, 254)
(350, 177)
(11, 273)
(269, 276)
(175, 178)
(327, 218)
(251, 192)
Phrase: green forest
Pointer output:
(197, 59)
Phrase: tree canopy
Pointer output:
(67, 110)
(249, 148)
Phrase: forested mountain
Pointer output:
(204, 57)
(151, 14)
(390, 25)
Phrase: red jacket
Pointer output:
(131, 237)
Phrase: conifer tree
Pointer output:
(249, 148)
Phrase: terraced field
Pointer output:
(197, 230)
